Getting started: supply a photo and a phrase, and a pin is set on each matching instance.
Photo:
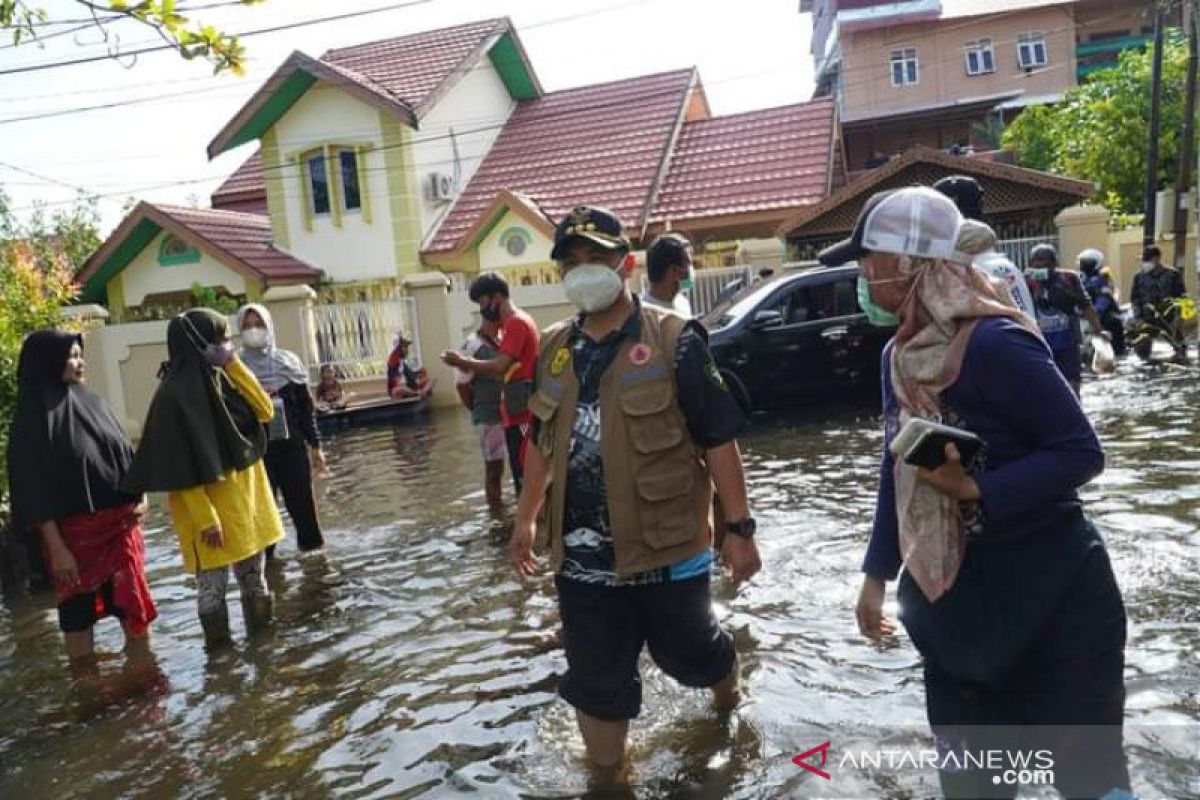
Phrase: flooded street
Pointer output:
(411, 662)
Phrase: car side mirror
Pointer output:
(767, 318)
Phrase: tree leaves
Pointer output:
(190, 39)
(1100, 130)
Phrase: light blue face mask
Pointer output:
(1039, 275)
(876, 315)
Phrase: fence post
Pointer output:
(291, 309)
(430, 292)
(1081, 227)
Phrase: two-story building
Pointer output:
(942, 73)
(441, 150)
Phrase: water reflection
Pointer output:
(409, 661)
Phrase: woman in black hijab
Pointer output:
(203, 444)
(67, 456)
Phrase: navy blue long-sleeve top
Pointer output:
(1040, 446)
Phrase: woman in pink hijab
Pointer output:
(1006, 590)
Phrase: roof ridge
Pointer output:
(492, 20)
(721, 117)
(680, 71)
(172, 207)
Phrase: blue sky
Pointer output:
(751, 54)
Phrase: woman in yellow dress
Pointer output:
(203, 444)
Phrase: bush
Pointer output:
(30, 297)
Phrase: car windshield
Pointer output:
(730, 309)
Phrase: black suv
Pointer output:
(795, 339)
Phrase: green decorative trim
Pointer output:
(291, 90)
(114, 293)
(403, 197)
(306, 198)
(364, 190)
(189, 256)
(506, 58)
(276, 193)
(515, 230)
(96, 289)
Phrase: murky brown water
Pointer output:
(412, 663)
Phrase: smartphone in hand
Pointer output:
(922, 443)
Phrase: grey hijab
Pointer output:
(274, 368)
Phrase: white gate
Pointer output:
(1017, 250)
(356, 337)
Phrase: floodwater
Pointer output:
(412, 663)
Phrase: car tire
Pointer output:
(738, 390)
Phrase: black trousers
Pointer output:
(290, 473)
(1066, 696)
(515, 438)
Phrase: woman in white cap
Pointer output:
(294, 443)
(1007, 590)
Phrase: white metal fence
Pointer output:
(710, 283)
(1017, 250)
(356, 337)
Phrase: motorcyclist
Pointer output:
(1059, 301)
(1098, 282)
(1155, 287)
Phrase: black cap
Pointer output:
(966, 193)
(596, 225)
(851, 249)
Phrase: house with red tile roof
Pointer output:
(441, 150)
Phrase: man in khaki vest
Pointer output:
(632, 427)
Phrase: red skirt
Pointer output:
(109, 545)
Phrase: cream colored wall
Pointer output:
(357, 251)
(145, 276)
(476, 109)
(493, 256)
(942, 68)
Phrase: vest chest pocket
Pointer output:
(652, 425)
(544, 407)
(666, 509)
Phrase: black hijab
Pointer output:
(67, 453)
(199, 428)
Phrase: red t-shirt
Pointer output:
(519, 338)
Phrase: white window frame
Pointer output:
(980, 48)
(1027, 44)
(906, 57)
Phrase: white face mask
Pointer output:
(256, 338)
(592, 287)
(1147, 266)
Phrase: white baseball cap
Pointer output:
(915, 221)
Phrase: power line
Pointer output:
(258, 32)
(118, 17)
(549, 117)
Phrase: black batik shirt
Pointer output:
(713, 418)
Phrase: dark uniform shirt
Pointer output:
(713, 418)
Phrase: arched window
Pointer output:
(173, 251)
(515, 241)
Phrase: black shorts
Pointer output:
(79, 613)
(604, 628)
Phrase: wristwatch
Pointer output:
(744, 528)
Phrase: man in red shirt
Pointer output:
(514, 365)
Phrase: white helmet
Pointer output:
(1091, 254)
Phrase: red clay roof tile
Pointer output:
(756, 161)
(600, 145)
(246, 237)
(413, 67)
(246, 183)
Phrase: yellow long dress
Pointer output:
(241, 502)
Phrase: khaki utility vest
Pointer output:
(658, 488)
